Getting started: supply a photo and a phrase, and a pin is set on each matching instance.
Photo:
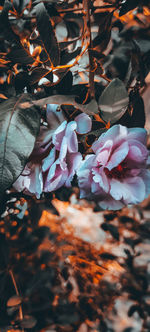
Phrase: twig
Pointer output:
(17, 293)
(87, 21)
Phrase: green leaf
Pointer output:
(19, 126)
(113, 101)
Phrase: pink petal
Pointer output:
(102, 180)
(54, 117)
(104, 152)
(63, 149)
(145, 175)
(110, 204)
(58, 135)
(137, 188)
(73, 162)
(137, 152)
(49, 160)
(138, 134)
(71, 136)
(118, 156)
(115, 134)
(84, 123)
(131, 190)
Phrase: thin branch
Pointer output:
(87, 21)
(17, 293)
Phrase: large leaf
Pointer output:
(113, 101)
(19, 127)
(47, 34)
(91, 108)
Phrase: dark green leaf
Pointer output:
(104, 33)
(19, 55)
(37, 74)
(47, 34)
(19, 126)
(138, 115)
(113, 101)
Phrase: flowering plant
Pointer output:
(114, 174)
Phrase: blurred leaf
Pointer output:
(28, 322)
(47, 34)
(128, 5)
(14, 301)
(113, 101)
(135, 308)
(20, 5)
(19, 127)
(65, 84)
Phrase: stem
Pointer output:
(86, 4)
(17, 293)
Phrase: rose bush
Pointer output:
(115, 174)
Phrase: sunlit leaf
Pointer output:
(14, 301)
(47, 34)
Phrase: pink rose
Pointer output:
(116, 173)
(31, 180)
(64, 159)
(55, 158)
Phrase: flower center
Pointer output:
(118, 172)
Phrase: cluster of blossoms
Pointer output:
(115, 174)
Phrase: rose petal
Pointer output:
(103, 153)
(115, 134)
(84, 123)
(138, 134)
(131, 190)
(118, 156)
(73, 162)
(71, 136)
(54, 117)
(49, 160)
(145, 175)
(102, 180)
(63, 149)
(137, 152)
(111, 204)
(58, 135)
